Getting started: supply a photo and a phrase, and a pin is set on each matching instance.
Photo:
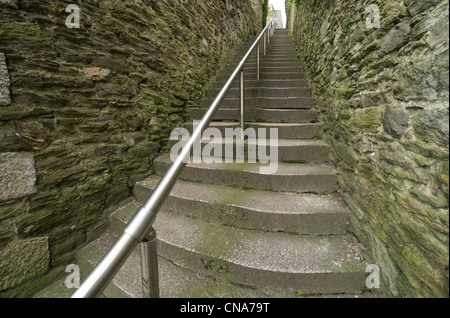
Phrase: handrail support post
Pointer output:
(258, 66)
(265, 44)
(242, 100)
(149, 266)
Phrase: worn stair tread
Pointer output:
(258, 200)
(305, 214)
(264, 102)
(282, 143)
(251, 209)
(286, 150)
(266, 76)
(175, 282)
(311, 264)
(316, 264)
(285, 130)
(268, 91)
(276, 252)
(253, 83)
(261, 124)
(266, 69)
(284, 169)
(295, 63)
(260, 114)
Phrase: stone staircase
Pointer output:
(227, 230)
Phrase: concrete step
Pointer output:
(260, 259)
(285, 59)
(285, 130)
(299, 151)
(289, 177)
(268, 59)
(291, 130)
(295, 63)
(281, 35)
(282, 39)
(253, 83)
(254, 92)
(259, 115)
(287, 44)
(175, 281)
(279, 52)
(270, 52)
(302, 214)
(266, 76)
(267, 68)
(287, 150)
(282, 45)
(263, 102)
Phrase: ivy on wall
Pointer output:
(265, 12)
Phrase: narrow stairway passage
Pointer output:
(242, 232)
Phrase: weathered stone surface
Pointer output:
(17, 175)
(10, 3)
(432, 126)
(5, 98)
(95, 105)
(96, 73)
(396, 38)
(383, 94)
(396, 121)
(22, 260)
(346, 154)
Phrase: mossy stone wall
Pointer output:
(382, 92)
(92, 107)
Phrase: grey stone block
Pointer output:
(17, 175)
(5, 98)
(22, 260)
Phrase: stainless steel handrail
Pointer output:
(140, 228)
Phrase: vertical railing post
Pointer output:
(258, 66)
(242, 96)
(149, 266)
(265, 44)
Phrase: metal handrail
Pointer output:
(139, 229)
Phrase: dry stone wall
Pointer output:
(380, 73)
(84, 111)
